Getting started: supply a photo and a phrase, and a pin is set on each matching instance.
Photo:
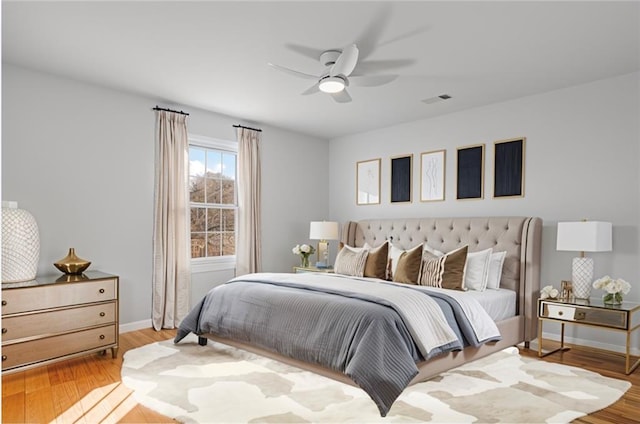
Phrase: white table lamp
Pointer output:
(323, 231)
(583, 236)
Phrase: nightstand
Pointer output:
(300, 270)
(594, 313)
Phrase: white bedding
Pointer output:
(500, 304)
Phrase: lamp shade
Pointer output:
(584, 236)
(323, 230)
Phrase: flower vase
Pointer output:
(304, 261)
(612, 298)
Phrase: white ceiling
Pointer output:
(213, 55)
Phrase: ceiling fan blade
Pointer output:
(311, 90)
(292, 72)
(346, 62)
(341, 96)
(372, 66)
(309, 52)
(372, 80)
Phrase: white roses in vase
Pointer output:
(304, 250)
(614, 288)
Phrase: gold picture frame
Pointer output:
(508, 167)
(368, 182)
(432, 175)
(470, 172)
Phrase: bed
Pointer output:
(320, 308)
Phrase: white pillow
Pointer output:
(434, 252)
(476, 270)
(495, 270)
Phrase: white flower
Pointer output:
(296, 249)
(549, 292)
(305, 248)
(612, 286)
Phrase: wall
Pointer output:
(80, 158)
(582, 155)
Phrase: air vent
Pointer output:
(437, 99)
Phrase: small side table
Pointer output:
(593, 313)
(300, 270)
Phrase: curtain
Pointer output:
(248, 248)
(171, 231)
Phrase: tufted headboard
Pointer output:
(520, 237)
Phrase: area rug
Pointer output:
(221, 384)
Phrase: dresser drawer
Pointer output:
(60, 321)
(57, 295)
(614, 318)
(53, 347)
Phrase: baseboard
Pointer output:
(134, 326)
(587, 343)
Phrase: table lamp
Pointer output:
(583, 236)
(323, 231)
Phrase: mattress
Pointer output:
(500, 304)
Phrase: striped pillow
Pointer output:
(351, 262)
(446, 272)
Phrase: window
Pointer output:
(213, 199)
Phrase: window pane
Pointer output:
(228, 192)
(198, 219)
(196, 161)
(228, 219)
(196, 189)
(214, 219)
(213, 190)
(229, 165)
(197, 245)
(214, 163)
(213, 244)
(228, 243)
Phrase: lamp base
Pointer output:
(582, 275)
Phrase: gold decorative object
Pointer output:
(71, 264)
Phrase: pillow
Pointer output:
(476, 270)
(446, 272)
(376, 265)
(496, 261)
(408, 268)
(432, 251)
(351, 261)
(394, 259)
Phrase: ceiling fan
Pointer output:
(339, 66)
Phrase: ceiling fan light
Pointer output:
(331, 85)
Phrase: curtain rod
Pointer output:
(170, 110)
(247, 128)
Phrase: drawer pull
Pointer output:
(560, 313)
(4, 303)
(4, 357)
(101, 290)
(101, 336)
(102, 314)
(4, 330)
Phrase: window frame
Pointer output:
(215, 263)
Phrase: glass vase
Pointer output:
(304, 261)
(612, 298)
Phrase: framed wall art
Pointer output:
(401, 170)
(470, 172)
(508, 171)
(432, 175)
(368, 182)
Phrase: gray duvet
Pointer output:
(345, 329)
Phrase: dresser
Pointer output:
(57, 317)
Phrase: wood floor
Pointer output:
(88, 389)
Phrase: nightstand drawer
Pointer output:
(614, 318)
